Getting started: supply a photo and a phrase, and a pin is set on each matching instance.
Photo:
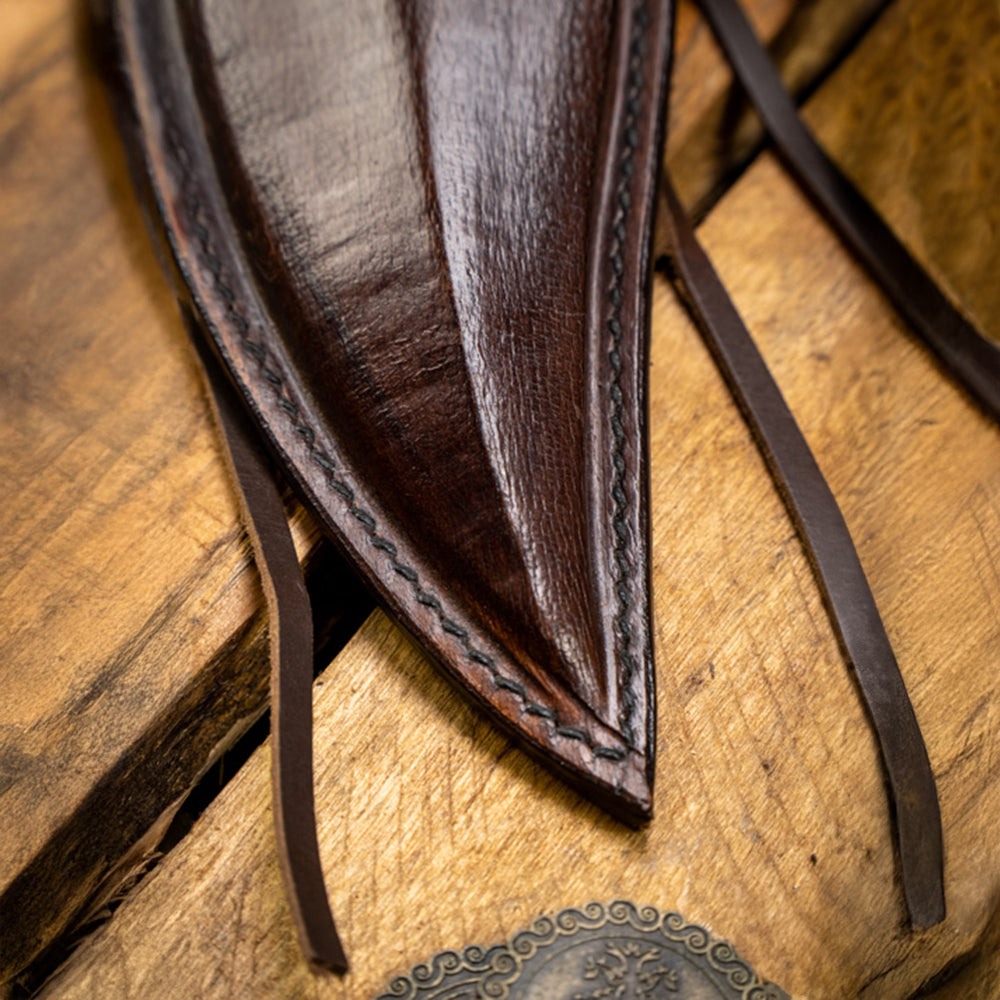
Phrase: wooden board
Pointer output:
(771, 821)
(118, 586)
(713, 133)
(915, 125)
(134, 649)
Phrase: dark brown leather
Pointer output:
(290, 633)
(970, 357)
(822, 528)
(453, 376)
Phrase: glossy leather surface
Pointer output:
(421, 245)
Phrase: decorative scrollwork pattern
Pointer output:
(616, 951)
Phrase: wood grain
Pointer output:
(921, 140)
(771, 822)
(133, 652)
(713, 132)
(119, 539)
(766, 761)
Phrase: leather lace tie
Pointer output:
(290, 634)
(196, 208)
(828, 543)
(974, 360)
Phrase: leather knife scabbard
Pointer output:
(420, 247)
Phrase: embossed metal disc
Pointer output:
(614, 952)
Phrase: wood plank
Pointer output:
(106, 573)
(713, 133)
(134, 652)
(974, 975)
(771, 821)
(921, 141)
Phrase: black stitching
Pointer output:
(259, 354)
(253, 349)
(429, 600)
(518, 689)
(623, 198)
(453, 628)
(364, 517)
(408, 574)
(384, 545)
(323, 462)
(483, 660)
(341, 487)
(533, 708)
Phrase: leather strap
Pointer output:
(971, 358)
(290, 626)
(828, 542)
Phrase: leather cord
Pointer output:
(827, 540)
(972, 359)
(290, 627)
